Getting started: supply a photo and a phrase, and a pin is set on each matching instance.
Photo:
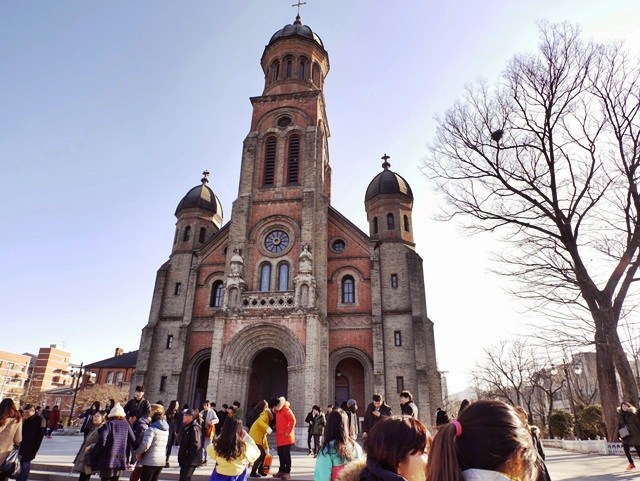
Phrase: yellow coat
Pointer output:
(258, 431)
(235, 467)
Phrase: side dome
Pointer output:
(296, 29)
(388, 182)
(201, 197)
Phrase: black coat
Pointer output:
(410, 409)
(373, 472)
(190, 439)
(140, 409)
(370, 420)
(33, 430)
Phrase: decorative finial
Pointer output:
(298, 21)
(205, 177)
(385, 164)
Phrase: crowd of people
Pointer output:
(489, 440)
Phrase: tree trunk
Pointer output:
(606, 374)
(623, 366)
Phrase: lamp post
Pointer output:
(578, 370)
(77, 375)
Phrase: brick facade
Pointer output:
(327, 343)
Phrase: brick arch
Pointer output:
(191, 373)
(263, 125)
(246, 345)
(238, 355)
(367, 365)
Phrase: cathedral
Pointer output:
(290, 298)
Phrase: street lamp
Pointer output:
(76, 375)
(577, 368)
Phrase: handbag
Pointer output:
(266, 464)
(624, 432)
(11, 466)
(336, 471)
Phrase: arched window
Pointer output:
(391, 222)
(265, 277)
(293, 164)
(315, 74)
(302, 71)
(187, 234)
(119, 377)
(283, 276)
(348, 290)
(216, 294)
(175, 237)
(406, 223)
(275, 69)
(270, 161)
(203, 233)
(289, 68)
(375, 225)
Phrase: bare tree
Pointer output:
(549, 158)
(102, 393)
(506, 373)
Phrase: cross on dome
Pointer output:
(205, 177)
(298, 5)
(385, 164)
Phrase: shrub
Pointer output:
(560, 424)
(591, 422)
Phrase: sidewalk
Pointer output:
(59, 451)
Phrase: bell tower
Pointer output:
(285, 181)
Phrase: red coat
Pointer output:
(54, 418)
(285, 424)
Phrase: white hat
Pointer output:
(117, 411)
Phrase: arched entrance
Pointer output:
(268, 377)
(201, 381)
(349, 380)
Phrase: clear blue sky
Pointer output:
(109, 112)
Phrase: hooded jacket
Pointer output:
(630, 419)
(153, 445)
(258, 431)
(285, 423)
(110, 450)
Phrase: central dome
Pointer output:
(296, 29)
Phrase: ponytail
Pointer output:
(488, 435)
(443, 458)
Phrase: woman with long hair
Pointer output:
(232, 452)
(487, 442)
(10, 429)
(174, 423)
(628, 418)
(338, 448)
(259, 430)
(81, 462)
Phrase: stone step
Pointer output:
(58, 472)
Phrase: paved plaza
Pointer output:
(563, 465)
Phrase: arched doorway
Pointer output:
(201, 381)
(349, 380)
(269, 377)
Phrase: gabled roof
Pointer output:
(128, 359)
(334, 211)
